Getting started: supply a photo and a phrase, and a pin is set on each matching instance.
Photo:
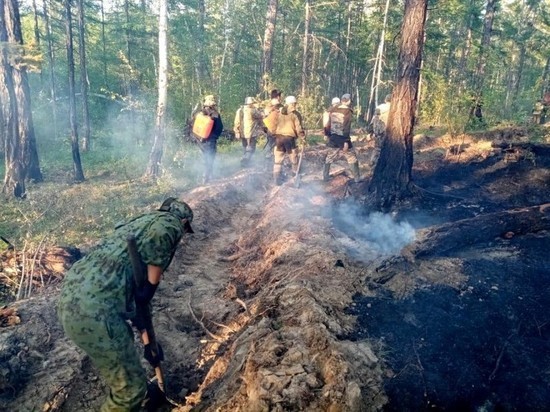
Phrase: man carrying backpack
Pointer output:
(207, 128)
(247, 127)
(271, 116)
(289, 129)
(326, 117)
(339, 140)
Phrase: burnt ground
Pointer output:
(300, 299)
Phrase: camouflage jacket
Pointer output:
(247, 122)
(103, 279)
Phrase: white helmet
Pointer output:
(290, 100)
(335, 100)
(249, 100)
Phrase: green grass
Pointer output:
(61, 212)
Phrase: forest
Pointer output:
(417, 285)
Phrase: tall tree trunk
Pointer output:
(51, 65)
(392, 175)
(267, 46)
(465, 54)
(479, 77)
(205, 80)
(305, 49)
(21, 157)
(27, 137)
(519, 70)
(377, 70)
(14, 177)
(226, 33)
(546, 78)
(84, 83)
(103, 43)
(77, 164)
(36, 30)
(155, 158)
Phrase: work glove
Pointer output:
(154, 360)
(145, 293)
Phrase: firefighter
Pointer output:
(326, 117)
(289, 129)
(209, 142)
(378, 126)
(247, 128)
(98, 300)
(339, 140)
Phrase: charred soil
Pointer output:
(300, 299)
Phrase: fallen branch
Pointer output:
(538, 149)
(204, 328)
(466, 232)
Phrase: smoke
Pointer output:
(371, 236)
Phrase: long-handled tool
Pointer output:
(298, 177)
(143, 313)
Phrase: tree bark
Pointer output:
(14, 177)
(51, 65)
(479, 77)
(155, 158)
(377, 69)
(267, 46)
(305, 48)
(30, 167)
(77, 164)
(392, 174)
(84, 83)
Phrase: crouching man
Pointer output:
(98, 299)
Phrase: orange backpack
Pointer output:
(271, 120)
(202, 127)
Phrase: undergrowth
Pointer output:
(63, 213)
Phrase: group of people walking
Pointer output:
(282, 125)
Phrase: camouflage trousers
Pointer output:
(336, 153)
(249, 147)
(109, 342)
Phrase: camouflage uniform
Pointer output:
(248, 126)
(339, 140)
(97, 299)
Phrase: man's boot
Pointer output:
(154, 399)
(326, 172)
(355, 172)
(277, 179)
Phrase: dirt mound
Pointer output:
(299, 299)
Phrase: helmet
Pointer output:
(346, 97)
(179, 209)
(249, 100)
(290, 100)
(209, 100)
(335, 100)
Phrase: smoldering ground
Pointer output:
(373, 235)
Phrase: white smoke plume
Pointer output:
(371, 236)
